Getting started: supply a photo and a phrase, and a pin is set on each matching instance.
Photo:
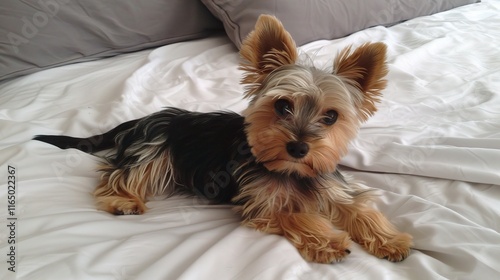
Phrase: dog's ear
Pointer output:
(365, 68)
(266, 48)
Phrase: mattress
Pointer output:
(432, 151)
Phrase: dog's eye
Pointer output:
(283, 107)
(330, 117)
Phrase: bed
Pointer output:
(432, 149)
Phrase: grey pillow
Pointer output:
(310, 20)
(44, 33)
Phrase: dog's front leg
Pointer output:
(312, 234)
(371, 229)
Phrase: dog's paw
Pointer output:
(134, 209)
(395, 249)
(118, 205)
(325, 250)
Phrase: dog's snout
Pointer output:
(297, 149)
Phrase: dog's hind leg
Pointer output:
(140, 168)
(124, 191)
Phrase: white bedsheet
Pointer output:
(433, 150)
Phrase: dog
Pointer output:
(276, 163)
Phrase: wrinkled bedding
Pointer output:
(432, 150)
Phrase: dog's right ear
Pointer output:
(266, 48)
(365, 68)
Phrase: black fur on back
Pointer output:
(206, 149)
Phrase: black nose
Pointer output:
(297, 149)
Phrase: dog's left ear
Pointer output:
(266, 48)
(365, 68)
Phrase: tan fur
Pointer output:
(371, 229)
(125, 191)
(311, 234)
(265, 49)
(267, 136)
(365, 68)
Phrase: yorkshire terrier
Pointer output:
(277, 163)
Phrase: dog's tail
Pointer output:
(92, 144)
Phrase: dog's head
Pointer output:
(301, 119)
